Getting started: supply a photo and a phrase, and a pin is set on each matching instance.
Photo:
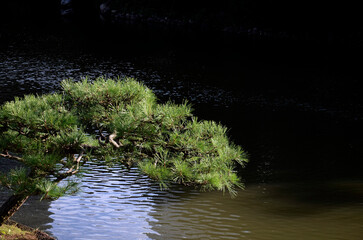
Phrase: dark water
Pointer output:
(299, 123)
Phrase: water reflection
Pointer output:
(28, 72)
(113, 203)
(120, 203)
(257, 213)
(117, 203)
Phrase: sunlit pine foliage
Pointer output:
(119, 119)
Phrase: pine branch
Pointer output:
(111, 139)
(8, 155)
(73, 170)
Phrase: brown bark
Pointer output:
(111, 138)
(11, 205)
(8, 155)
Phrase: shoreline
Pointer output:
(38, 233)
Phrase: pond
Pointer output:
(304, 177)
(120, 203)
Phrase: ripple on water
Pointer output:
(100, 206)
(120, 203)
(25, 72)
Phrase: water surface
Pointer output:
(120, 203)
(303, 181)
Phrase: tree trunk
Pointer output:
(10, 206)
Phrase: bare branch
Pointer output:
(101, 133)
(70, 171)
(73, 170)
(78, 159)
(8, 155)
(111, 138)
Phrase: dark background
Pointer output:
(290, 52)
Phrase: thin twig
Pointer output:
(112, 141)
(73, 170)
(8, 155)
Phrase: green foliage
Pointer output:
(100, 102)
(36, 114)
(70, 140)
(18, 180)
(13, 232)
(42, 163)
(113, 119)
(53, 190)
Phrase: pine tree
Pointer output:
(53, 135)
